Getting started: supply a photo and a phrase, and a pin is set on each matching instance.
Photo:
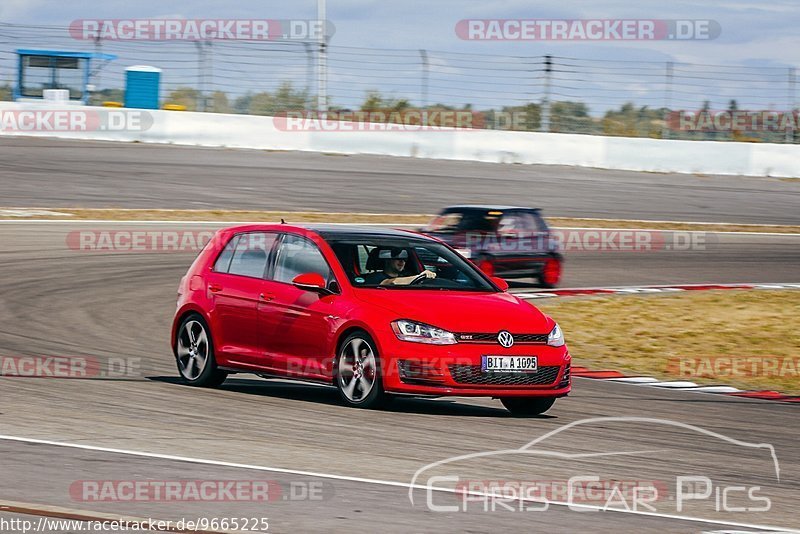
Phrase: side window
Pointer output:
(224, 259)
(298, 255)
(537, 221)
(251, 254)
(363, 258)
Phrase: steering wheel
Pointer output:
(420, 278)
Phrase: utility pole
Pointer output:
(665, 134)
(98, 50)
(789, 128)
(201, 75)
(548, 69)
(322, 61)
(425, 74)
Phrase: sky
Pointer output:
(754, 33)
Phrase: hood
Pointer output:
(458, 311)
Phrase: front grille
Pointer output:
(472, 374)
(466, 337)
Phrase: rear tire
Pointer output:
(551, 272)
(357, 372)
(194, 354)
(527, 406)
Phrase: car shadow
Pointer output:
(322, 394)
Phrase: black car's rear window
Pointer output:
(453, 221)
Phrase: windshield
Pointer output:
(406, 264)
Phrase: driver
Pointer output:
(394, 265)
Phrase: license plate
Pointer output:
(509, 364)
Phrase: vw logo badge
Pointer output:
(505, 339)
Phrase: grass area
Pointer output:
(415, 219)
(641, 334)
(562, 222)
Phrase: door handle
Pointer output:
(214, 288)
(266, 297)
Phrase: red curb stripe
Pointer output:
(767, 395)
(713, 286)
(760, 394)
(581, 291)
(583, 372)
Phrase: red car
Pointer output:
(374, 312)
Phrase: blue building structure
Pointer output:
(39, 70)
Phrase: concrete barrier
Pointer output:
(264, 133)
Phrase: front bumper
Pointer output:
(416, 368)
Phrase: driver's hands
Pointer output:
(428, 274)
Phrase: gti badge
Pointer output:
(505, 339)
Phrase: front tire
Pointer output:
(527, 406)
(357, 372)
(194, 354)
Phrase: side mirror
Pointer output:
(311, 282)
(499, 282)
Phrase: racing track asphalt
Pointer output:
(52, 173)
(57, 301)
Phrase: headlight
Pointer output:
(556, 337)
(422, 333)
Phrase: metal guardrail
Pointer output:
(545, 93)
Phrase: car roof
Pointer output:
(486, 207)
(341, 231)
(334, 231)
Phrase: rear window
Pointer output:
(454, 221)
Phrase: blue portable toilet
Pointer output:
(142, 85)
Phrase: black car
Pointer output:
(504, 241)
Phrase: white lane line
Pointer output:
(377, 482)
(726, 232)
(397, 224)
(673, 384)
(649, 221)
(633, 379)
(718, 389)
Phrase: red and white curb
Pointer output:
(681, 385)
(641, 290)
